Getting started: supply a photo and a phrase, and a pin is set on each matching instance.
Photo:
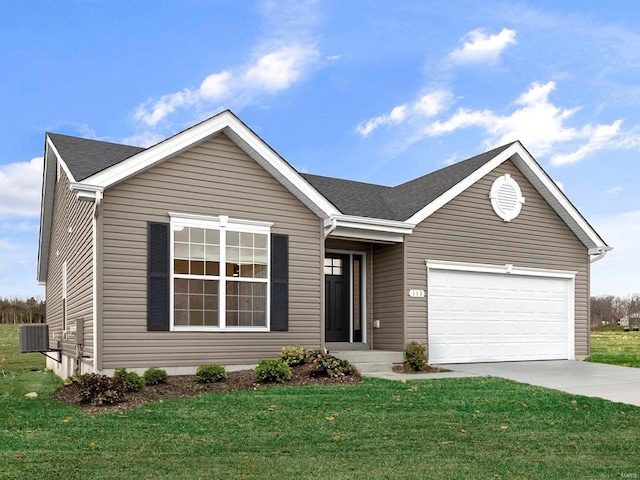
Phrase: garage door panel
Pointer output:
(479, 317)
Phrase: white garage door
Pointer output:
(489, 317)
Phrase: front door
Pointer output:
(337, 297)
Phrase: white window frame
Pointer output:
(223, 224)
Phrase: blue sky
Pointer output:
(375, 91)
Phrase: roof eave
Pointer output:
(541, 182)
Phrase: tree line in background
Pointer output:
(20, 310)
(605, 310)
(612, 310)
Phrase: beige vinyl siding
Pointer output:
(214, 178)
(71, 241)
(389, 296)
(468, 230)
(349, 245)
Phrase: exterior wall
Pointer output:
(389, 296)
(71, 241)
(340, 244)
(214, 178)
(468, 230)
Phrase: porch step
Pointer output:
(369, 356)
(346, 346)
(373, 367)
(370, 361)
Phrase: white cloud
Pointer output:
(480, 47)
(143, 139)
(539, 124)
(279, 70)
(613, 190)
(20, 188)
(25, 226)
(428, 105)
(269, 74)
(332, 58)
(598, 138)
(617, 272)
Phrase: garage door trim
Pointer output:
(510, 269)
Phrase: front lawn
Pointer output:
(615, 347)
(448, 428)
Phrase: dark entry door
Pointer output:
(337, 298)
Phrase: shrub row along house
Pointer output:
(210, 247)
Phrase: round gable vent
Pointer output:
(506, 197)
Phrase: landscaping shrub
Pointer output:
(309, 355)
(211, 373)
(415, 354)
(132, 381)
(293, 355)
(325, 364)
(99, 389)
(155, 376)
(272, 371)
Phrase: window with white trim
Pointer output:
(219, 273)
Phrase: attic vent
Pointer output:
(506, 197)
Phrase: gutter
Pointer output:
(598, 253)
(332, 226)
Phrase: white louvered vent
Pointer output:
(506, 197)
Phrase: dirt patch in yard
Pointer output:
(181, 386)
(407, 368)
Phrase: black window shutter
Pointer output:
(279, 283)
(158, 277)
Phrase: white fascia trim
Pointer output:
(86, 192)
(457, 189)
(197, 134)
(553, 189)
(370, 224)
(60, 160)
(533, 167)
(499, 269)
(367, 235)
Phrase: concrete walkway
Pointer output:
(611, 382)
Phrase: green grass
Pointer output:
(616, 348)
(450, 428)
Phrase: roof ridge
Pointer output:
(93, 140)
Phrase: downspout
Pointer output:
(94, 329)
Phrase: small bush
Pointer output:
(310, 355)
(132, 381)
(415, 354)
(99, 389)
(325, 364)
(155, 376)
(272, 371)
(293, 355)
(211, 373)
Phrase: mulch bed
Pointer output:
(407, 368)
(182, 386)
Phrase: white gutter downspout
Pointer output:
(599, 253)
(332, 227)
(94, 241)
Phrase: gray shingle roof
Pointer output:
(402, 201)
(86, 157)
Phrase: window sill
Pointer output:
(218, 329)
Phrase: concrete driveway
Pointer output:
(618, 384)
